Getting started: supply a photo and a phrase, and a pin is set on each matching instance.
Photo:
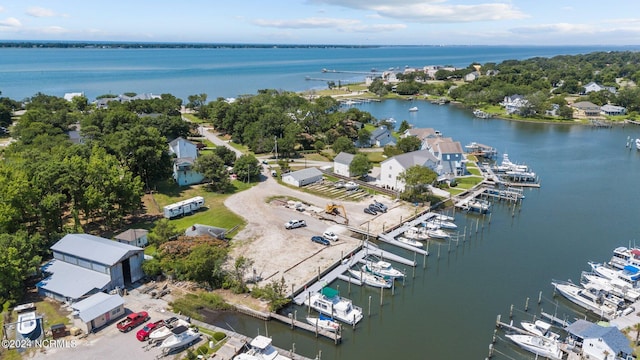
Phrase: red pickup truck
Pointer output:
(132, 320)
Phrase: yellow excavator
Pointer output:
(337, 210)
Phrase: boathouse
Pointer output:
(85, 264)
(302, 177)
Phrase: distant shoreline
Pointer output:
(167, 45)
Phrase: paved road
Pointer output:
(206, 132)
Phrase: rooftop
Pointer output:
(93, 248)
(96, 305)
(70, 280)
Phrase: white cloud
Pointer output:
(10, 22)
(432, 11)
(55, 30)
(344, 25)
(563, 28)
(37, 11)
(1, 9)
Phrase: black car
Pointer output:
(369, 211)
(320, 240)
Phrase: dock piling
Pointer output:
(511, 312)
(369, 311)
(539, 297)
(526, 305)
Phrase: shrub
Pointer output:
(219, 335)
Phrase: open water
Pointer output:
(587, 205)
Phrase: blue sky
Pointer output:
(360, 22)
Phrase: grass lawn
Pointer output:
(375, 157)
(214, 213)
(194, 119)
(468, 182)
(316, 157)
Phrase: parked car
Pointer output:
(370, 212)
(374, 208)
(293, 224)
(381, 206)
(132, 320)
(330, 235)
(143, 334)
(320, 240)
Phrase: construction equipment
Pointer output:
(335, 209)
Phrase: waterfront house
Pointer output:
(185, 153)
(599, 342)
(133, 237)
(422, 134)
(514, 103)
(341, 164)
(585, 110)
(451, 161)
(613, 110)
(594, 87)
(84, 264)
(391, 168)
(381, 137)
(302, 177)
(97, 311)
(69, 96)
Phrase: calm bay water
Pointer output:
(587, 204)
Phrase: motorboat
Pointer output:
(260, 348)
(350, 185)
(442, 224)
(410, 242)
(597, 302)
(540, 328)
(630, 274)
(181, 337)
(324, 323)
(480, 206)
(438, 234)
(370, 279)
(413, 109)
(382, 268)
(165, 331)
(538, 345)
(442, 217)
(27, 323)
(507, 165)
(623, 256)
(329, 302)
(614, 286)
(638, 144)
(416, 233)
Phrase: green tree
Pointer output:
(240, 267)
(404, 126)
(345, 144)
(214, 172)
(416, 180)
(364, 137)
(409, 144)
(360, 165)
(163, 231)
(319, 145)
(204, 265)
(247, 167)
(80, 103)
(565, 112)
(19, 259)
(227, 155)
(5, 115)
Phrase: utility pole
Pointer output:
(276, 140)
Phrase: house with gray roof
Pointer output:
(450, 159)
(134, 237)
(599, 342)
(341, 164)
(185, 153)
(514, 103)
(585, 109)
(423, 134)
(391, 168)
(84, 264)
(381, 137)
(97, 311)
(595, 87)
(302, 177)
(613, 110)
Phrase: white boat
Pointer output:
(638, 144)
(537, 345)
(540, 328)
(27, 323)
(324, 323)
(438, 234)
(165, 331)
(260, 348)
(630, 274)
(442, 224)
(614, 286)
(413, 109)
(350, 185)
(623, 256)
(382, 268)
(442, 217)
(507, 165)
(480, 206)
(410, 242)
(181, 337)
(329, 302)
(416, 233)
(587, 299)
(370, 279)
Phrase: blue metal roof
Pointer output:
(70, 280)
(94, 248)
(96, 305)
(611, 335)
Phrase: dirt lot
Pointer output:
(278, 252)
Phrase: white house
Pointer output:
(133, 237)
(302, 177)
(611, 110)
(341, 164)
(422, 134)
(391, 168)
(186, 153)
(97, 311)
(594, 87)
(599, 342)
(84, 264)
(471, 76)
(70, 96)
(513, 103)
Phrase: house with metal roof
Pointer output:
(185, 153)
(84, 264)
(341, 164)
(302, 177)
(381, 137)
(97, 310)
(613, 110)
(585, 109)
(514, 103)
(391, 168)
(599, 342)
(595, 87)
(133, 237)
